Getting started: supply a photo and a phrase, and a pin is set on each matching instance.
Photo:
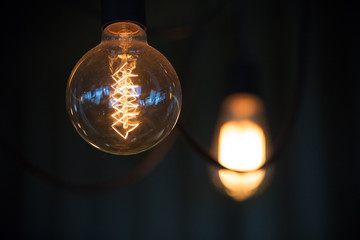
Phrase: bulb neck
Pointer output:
(124, 32)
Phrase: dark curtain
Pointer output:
(314, 190)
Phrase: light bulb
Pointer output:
(123, 96)
(241, 143)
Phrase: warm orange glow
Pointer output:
(241, 186)
(244, 105)
(241, 147)
(124, 98)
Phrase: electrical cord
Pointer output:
(284, 136)
(155, 155)
(141, 169)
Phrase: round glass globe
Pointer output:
(123, 96)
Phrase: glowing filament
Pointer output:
(123, 101)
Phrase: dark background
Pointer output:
(314, 191)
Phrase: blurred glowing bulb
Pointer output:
(240, 144)
(123, 96)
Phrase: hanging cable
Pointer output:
(156, 154)
(290, 121)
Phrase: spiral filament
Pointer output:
(123, 100)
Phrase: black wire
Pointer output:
(290, 122)
(157, 153)
(142, 168)
(206, 154)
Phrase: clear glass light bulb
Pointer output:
(123, 96)
(241, 143)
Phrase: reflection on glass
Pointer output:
(241, 144)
